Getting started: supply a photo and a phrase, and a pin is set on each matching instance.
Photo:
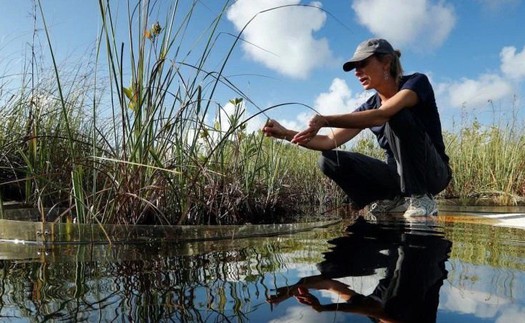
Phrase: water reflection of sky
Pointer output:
(470, 292)
(481, 294)
(484, 282)
(484, 292)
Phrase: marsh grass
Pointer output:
(137, 136)
(36, 157)
(172, 165)
(488, 162)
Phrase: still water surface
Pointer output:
(354, 271)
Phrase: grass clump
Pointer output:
(144, 140)
(488, 164)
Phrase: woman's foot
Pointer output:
(396, 205)
(421, 205)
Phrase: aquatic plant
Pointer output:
(488, 162)
(173, 165)
(138, 136)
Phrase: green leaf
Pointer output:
(128, 92)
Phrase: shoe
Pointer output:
(421, 205)
(397, 205)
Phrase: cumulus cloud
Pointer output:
(481, 299)
(338, 99)
(468, 301)
(300, 313)
(514, 314)
(476, 92)
(512, 63)
(282, 39)
(419, 24)
(230, 112)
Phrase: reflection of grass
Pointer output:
(488, 245)
(495, 253)
(216, 280)
(220, 281)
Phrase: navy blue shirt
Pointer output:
(426, 111)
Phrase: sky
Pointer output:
(292, 51)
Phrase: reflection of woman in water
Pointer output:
(415, 270)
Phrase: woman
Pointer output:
(404, 117)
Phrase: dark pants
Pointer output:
(417, 167)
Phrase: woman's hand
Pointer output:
(304, 297)
(314, 125)
(283, 293)
(274, 129)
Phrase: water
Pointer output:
(449, 270)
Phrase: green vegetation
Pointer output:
(488, 163)
(136, 135)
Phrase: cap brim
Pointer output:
(350, 65)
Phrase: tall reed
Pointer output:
(170, 164)
(157, 146)
(488, 162)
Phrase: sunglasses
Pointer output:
(363, 63)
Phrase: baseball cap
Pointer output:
(366, 49)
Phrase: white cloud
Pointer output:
(255, 124)
(282, 39)
(481, 304)
(514, 314)
(419, 24)
(304, 313)
(338, 99)
(473, 93)
(230, 112)
(512, 63)
(476, 93)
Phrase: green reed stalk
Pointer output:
(1, 207)
(77, 192)
(169, 158)
(488, 162)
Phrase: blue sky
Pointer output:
(472, 50)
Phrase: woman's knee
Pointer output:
(334, 161)
(326, 162)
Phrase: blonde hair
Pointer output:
(396, 70)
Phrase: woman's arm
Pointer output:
(374, 117)
(361, 119)
(332, 140)
(317, 282)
